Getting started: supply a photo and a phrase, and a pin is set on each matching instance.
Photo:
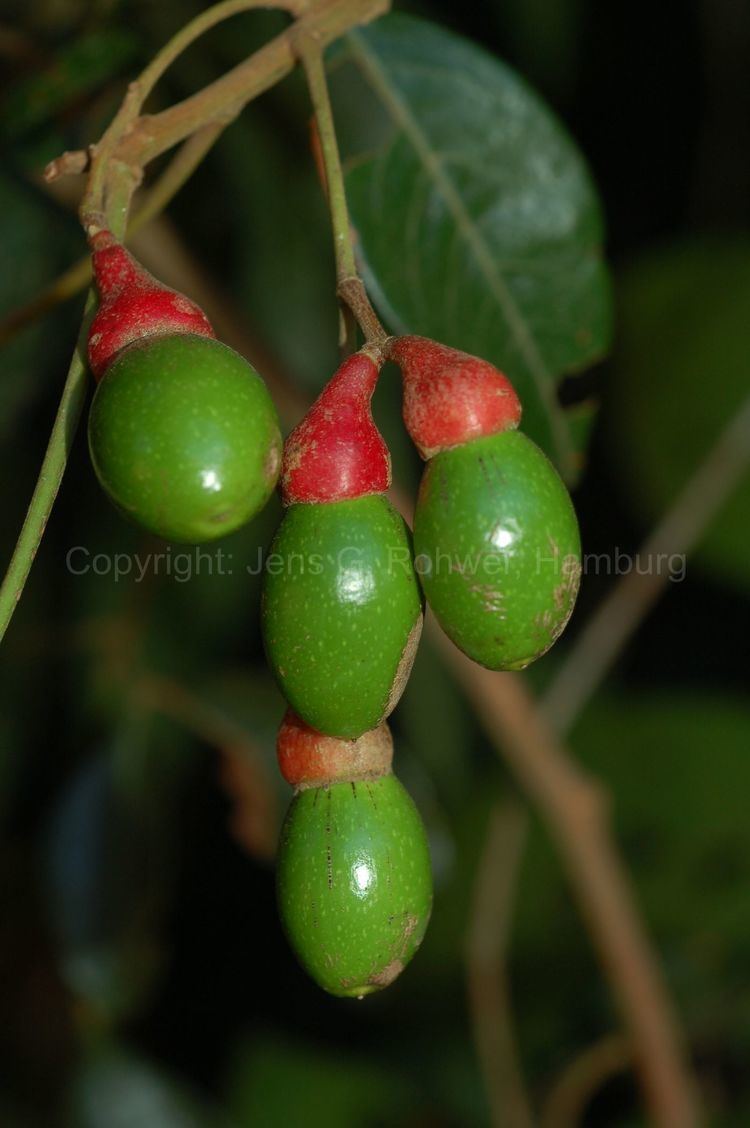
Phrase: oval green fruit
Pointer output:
(498, 549)
(354, 883)
(184, 437)
(342, 612)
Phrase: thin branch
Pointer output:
(116, 169)
(587, 665)
(58, 448)
(153, 134)
(486, 954)
(176, 174)
(198, 26)
(105, 156)
(605, 634)
(566, 1104)
(243, 771)
(309, 52)
(172, 699)
(71, 282)
(351, 291)
(75, 279)
(575, 809)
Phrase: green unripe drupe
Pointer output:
(342, 612)
(354, 883)
(495, 531)
(498, 548)
(184, 437)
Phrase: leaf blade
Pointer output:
(499, 256)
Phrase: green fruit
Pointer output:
(342, 612)
(354, 883)
(498, 549)
(184, 437)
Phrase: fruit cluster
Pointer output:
(185, 440)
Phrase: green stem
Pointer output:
(312, 60)
(199, 26)
(77, 276)
(154, 134)
(61, 438)
(350, 288)
(104, 154)
(128, 144)
(178, 171)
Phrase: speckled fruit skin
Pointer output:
(342, 612)
(497, 548)
(184, 437)
(354, 883)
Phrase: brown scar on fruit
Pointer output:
(392, 970)
(405, 664)
(221, 518)
(566, 590)
(386, 976)
(492, 599)
(272, 462)
(543, 623)
(410, 923)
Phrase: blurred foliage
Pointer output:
(145, 980)
(78, 69)
(681, 372)
(115, 1089)
(277, 1084)
(28, 243)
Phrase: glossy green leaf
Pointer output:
(477, 221)
(680, 372)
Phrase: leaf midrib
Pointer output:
(402, 116)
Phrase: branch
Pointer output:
(557, 786)
(356, 306)
(576, 812)
(566, 1104)
(153, 134)
(75, 279)
(116, 168)
(243, 772)
(58, 448)
(486, 953)
(605, 634)
(78, 161)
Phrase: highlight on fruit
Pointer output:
(183, 434)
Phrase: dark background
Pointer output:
(144, 979)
